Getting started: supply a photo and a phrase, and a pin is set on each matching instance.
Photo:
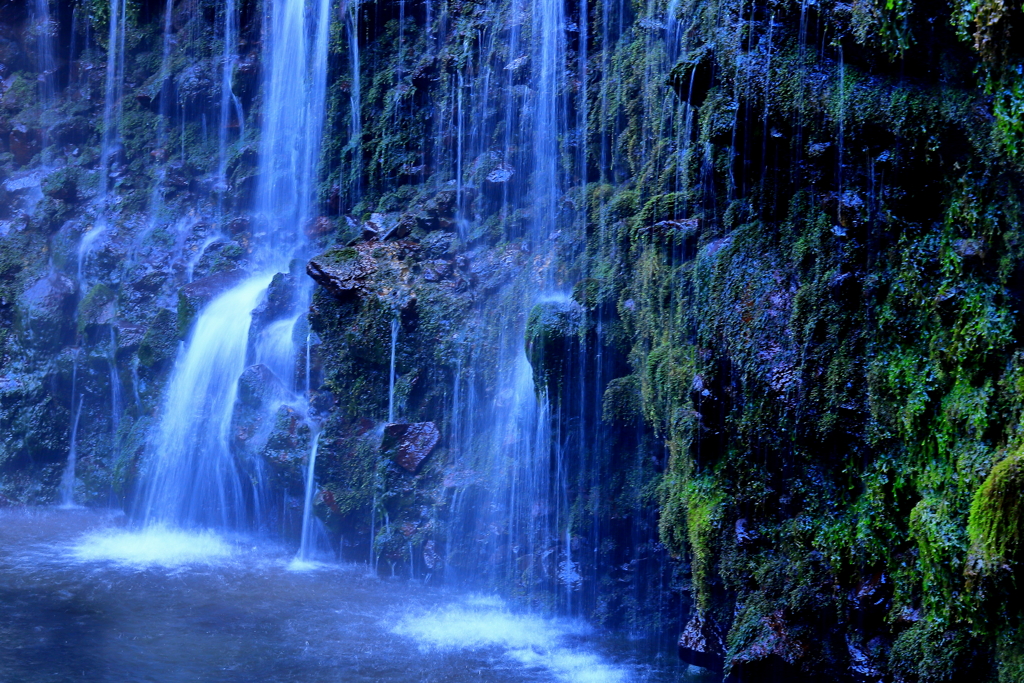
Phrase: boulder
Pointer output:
(552, 335)
(25, 143)
(700, 644)
(342, 271)
(279, 301)
(258, 386)
(408, 445)
(196, 294)
(47, 310)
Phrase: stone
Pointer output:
(552, 336)
(129, 336)
(431, 559)
(408, 445)
(47, 310)
(193, 296)
(25, 143)
(278, 302)
(320, 226)
(342, 272)
(258, 385)
(701, 645)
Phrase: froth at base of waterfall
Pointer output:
(483, 623)
(158, 545)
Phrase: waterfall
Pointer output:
(110, 138)
(350, 10)
(191, 477)
(391, 378)
(115, 395)
(156, 197)
(227, 97)
(306, 546)
(45, 28)
(67, 480)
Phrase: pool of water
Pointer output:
(84, 599)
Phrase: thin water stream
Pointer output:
(82, 599)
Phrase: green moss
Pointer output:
(932, 651)
(98, 296)
(996, 523)
(160, 342)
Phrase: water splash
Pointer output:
(483, 623)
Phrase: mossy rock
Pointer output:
(62, 184)
(160, 342)
(997, 512)
(552, 335)
(95, 307)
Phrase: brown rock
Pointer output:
(410, 444)
(318, 227)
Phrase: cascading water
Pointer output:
(110, 139)
(391, 374)
(46, 59)
(67, 480)
(193, 477)
(307, 544)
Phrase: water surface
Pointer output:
(84, 599)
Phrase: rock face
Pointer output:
(408, 445)
(343, 271)
(701, 645)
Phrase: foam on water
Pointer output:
(154, 546)
(532, 641)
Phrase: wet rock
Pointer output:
(62, 184)
(25, 142)
(501, 174)
(679, 231)
(193, 296)
(872, 595)
(129, 336)
(861, 666)
(408, 445)
(552, 335)
(342, 272)
(431, 559)
(435, 271)
(774, 650)
(700, 644)
(693, 77)
(96, 308)
(320, 226)
(259, 386)
(160, 342)
(73, 130)
(239, 225)
(279, 301)
(47, 310)
(286, 445)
